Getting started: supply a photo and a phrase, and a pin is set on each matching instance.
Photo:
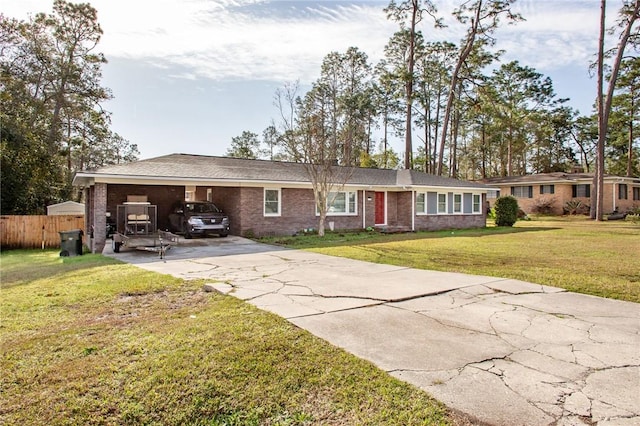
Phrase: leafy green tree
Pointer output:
(482, 18)
(584, 135)
(519, 93)
(386, 158)
(386, 102)
(247, 145)
(271, 141)
(409, 13)
(551, 135)
(434, 65)
(622, 142)
(52, 120)
(346, 79)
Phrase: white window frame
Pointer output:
(460, 206)
(424, 203)
(446, 203)
(190, 193)
(264, 202)
(347, 196)
(475, 210)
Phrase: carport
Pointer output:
(103, 199)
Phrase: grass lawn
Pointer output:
(575, 253)
(89, 340)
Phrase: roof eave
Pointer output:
(87, 179)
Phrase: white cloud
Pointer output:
(284, 41)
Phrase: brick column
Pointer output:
(99, 217)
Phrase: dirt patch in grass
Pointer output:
(144, 348)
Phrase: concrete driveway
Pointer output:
(501, 351)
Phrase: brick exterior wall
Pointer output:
(563, 193)
(245, 207)
(403, 209)
(298, 213)
(622, 205)
(434, 222)
(88, 215)
(99, 220)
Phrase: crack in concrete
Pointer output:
(555, 407)
(353, 308)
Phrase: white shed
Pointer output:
(66, 208)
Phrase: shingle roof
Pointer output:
(541, 177)
(201, 167)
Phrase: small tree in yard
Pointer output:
(506, 209)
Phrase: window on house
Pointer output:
(189, 193)
(522, 191)
(547, 189)
(342, 202)
(421, 202)
(272, 202)
(457, 203)
(636, 193)
(493, 193)
(583, 191)
(442, 203)
(622, 191)
(209, 194)
(476, 203)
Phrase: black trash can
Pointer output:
(71, 242)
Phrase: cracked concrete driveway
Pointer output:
(501, 351)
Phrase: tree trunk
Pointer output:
(604, 104)
(598, 179)
(630, 141)
(453, 172)
(436, 128)
(408, 143)
(483, 152)
(454, 82)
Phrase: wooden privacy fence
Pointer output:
(36, 231)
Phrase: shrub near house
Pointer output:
(506, 210)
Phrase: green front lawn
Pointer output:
(574, 253)
(89, 340)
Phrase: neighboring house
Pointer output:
(65, 208)
(555, 190)
(276, 198)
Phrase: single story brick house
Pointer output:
(557, 189)
(276, 198)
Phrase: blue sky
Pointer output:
(188, 75)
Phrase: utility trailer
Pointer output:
(137, 228)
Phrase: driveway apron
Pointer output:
(501, 351)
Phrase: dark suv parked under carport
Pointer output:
(192, 218)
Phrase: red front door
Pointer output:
(380, 210)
